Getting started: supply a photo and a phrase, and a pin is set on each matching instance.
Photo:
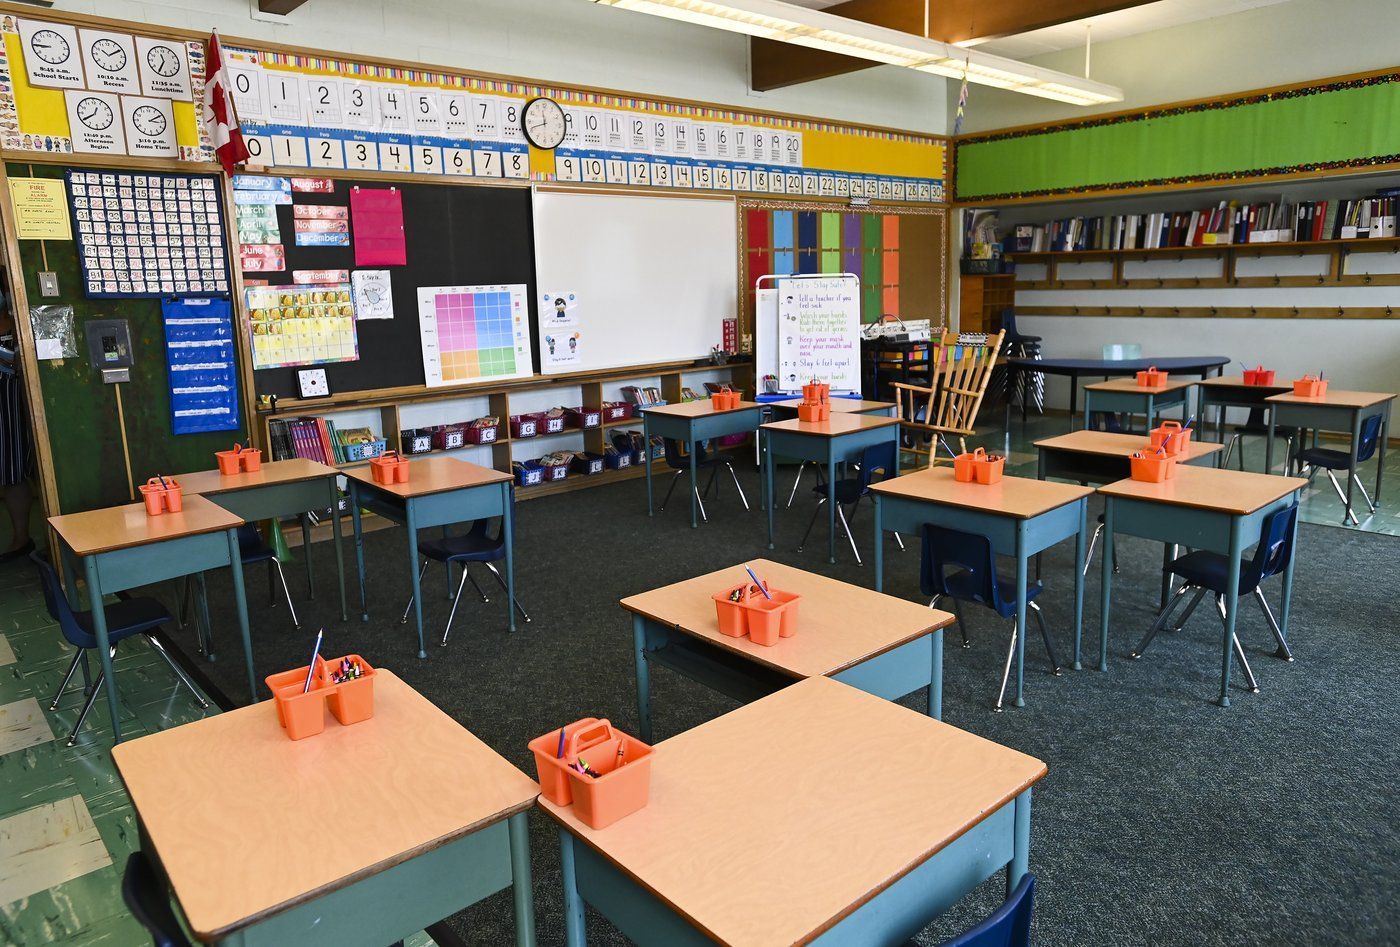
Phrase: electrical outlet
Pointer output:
(48, 284)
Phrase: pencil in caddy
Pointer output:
(344, 684)
(389, 467)
(755, 610)
(162, 495)
(602, 772)
(978, 467)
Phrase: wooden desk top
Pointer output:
(838, 625)
(120, 527)
(212, 483)
(245, 820)
(1335, 398)
(697, 409)
(771, 823)
(1237, 381)
(1130, 385)
(1104, 444)
(1019, 497)
(840, 423)
(1206, 488)
(840, 405)
(433, 475)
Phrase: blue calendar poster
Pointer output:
(200, 355)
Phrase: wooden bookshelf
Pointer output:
(981, 299)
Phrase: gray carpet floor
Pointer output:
(1164, 819)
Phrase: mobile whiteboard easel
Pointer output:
(808, 327)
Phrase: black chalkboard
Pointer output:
(454, 235)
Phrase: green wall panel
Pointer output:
(83, 431)
(1335, 125)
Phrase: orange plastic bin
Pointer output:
(622, 762)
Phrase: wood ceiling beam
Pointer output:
(775, 65)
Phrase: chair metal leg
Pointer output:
(72, 668)
(737, 486)
(846, 527)
(1186, 615)
(1253, 685)
(409, 607)
(479, 591)
(795, 481)
(899, 539)
(1045, 635)
(1093, 542)
(1006, 671)
(704, 517)
(87, 707)
(497, 574)
(1341, 495)
(675, 478)
(811, 523)
(962, 626)
(1362, 487)
(159, 649)
(286, 591)
(447, 630)
(1230, 449)
(1283, 651)
(1160, 621)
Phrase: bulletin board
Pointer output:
(454, 235)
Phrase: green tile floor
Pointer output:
(66, 823)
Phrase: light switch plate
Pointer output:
(48, 283)
(312, 383)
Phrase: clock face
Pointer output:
(544, 124)
(149, 121)
(50, 47)
(163, 61)
(109, 54)
(95, 113)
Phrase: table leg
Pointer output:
(306, 554)
(1232, 607)
(831, 505)
(1088, 406)
(1021, 850)
(240, 603)
(1269, 446)
(1380, 454)
(359, 545)
(768, 481)
(1079, 549)
(1169, 551)
(1151, 413)
(1107, 554)
(646, 437)
(1022, 568)
(1351, 465)
(520, 880)
(880, 546)
(575, 929)
(935, 684)
(339, 553)
(1287, 588)
(1039, 475)
(639, 655)
(1074, 399)
(691, 445)
(508, 524)
(205, 624)
(411, 527)
(104, 650)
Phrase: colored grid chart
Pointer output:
(470, 333)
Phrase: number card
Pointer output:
(843, 186)
(486, 162)
(325, 151)
(290, 151)
(567, 167)
(427, 118)
(284, 98)
(457, 161)
(511, 129)
(590, 128)
(758, 180)
(742, 178)
(682, 174)
(249, 93)
(455, 109)
(702, 139)
(323, 102)
(660, 130)
(637, 138)
(792, 149)
(724, 178)
(741, 142)
(723, 141)
(614, 130)
(704, 177)
(427, 159)
(810, 184)
(515, 162)
(593, 170)
(486, 118)
(897, 189)
(681, 129)
(357, 103)
(638, 171)
(660, 172)
(395, 155)
(259, 149)
(615, 169)
(792, 182)
(886, 189)
(391, 109)
(361, 153)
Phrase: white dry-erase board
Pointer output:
(808, 327)
(655, 276)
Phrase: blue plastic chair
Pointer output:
(1007, 926)
(1203, 572)
(128, 617)
(475, 545)
(252, 550)
(704, 460)
(1254, 426)
(148, 901)
(974, 579)
(1312, 459)
(877, 463)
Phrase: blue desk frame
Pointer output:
(891, 916)
(1219, 531)
(692, 430)
(1009, 535)
(1221, 396)
(465, 504)
(1334, 417)
(827, 450)
(132, 567)
(1148, 402)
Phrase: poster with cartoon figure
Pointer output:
(558, 310)
(559, 346)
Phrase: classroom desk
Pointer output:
(440, 491)
(122, 548)
(1205, 508)
(1076, 368)
(1095, 457)
(358, 835)
(690, 422)
(1334, 411)
(875, 642)
(280, 488)
(1126, 395)
(1020, 516)
(820, 814)
(839, 440)
(788, 407)
(1230, 391)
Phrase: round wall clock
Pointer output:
(149, 120)
(544, 123)
(95, 113)
(51, 47)
(163, 60)
(109, 55)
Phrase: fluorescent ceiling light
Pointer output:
(788, 23)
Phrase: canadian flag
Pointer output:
(219, 116)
